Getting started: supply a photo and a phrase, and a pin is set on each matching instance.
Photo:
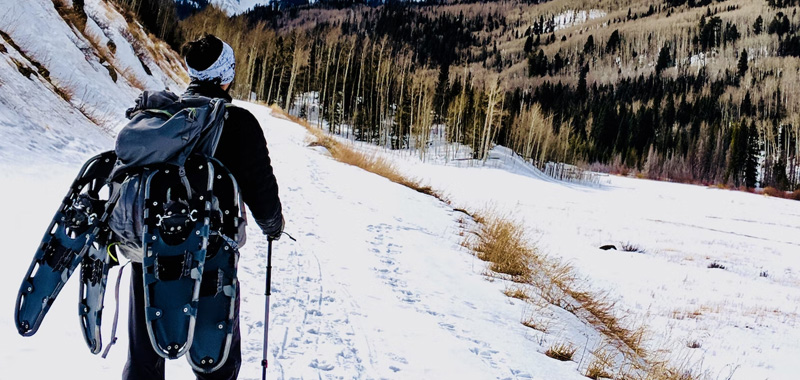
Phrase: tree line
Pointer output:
(398, 74)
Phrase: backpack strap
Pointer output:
(116, 310)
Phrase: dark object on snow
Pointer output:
(608, 246)
(716, 265)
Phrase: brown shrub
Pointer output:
(773, 192)
(71, 16)
(795, 195)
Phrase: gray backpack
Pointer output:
(164, 128)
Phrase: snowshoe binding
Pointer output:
(175, 240)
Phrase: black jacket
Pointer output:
(243, 150)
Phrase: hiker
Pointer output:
(242, 148)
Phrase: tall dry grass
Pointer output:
(502, 241)
(343, 153)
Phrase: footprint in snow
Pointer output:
(322, 366)
(314, 312)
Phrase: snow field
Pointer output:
(742, 317)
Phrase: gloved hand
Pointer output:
(276, 235)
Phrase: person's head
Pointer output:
(210, 60)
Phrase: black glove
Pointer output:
(276, 234)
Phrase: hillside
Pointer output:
(77, 73)
(691, 91)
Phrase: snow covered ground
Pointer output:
(59, 108)
(376, 286)
(717, 278)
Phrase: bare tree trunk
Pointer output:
(297, 57)
(322, 100)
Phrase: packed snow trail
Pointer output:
(376, 286)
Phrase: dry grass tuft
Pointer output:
(70, 15)
(773, 192)
(517, 292)
(561, 351)
(66, 92)
(601, 314)
(131, 77)
(601, 365)
(343, 153)
(502, 242)
(537, 324)
(664, 372)
(631, 247)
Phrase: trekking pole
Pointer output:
(266, 308)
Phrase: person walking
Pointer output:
(242, 148)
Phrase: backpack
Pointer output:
(164, 128)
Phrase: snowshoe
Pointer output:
(175, 239)
(216, 311)
(71, 233)
(94, 274)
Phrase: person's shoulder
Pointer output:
(242, 117)
(235, 111)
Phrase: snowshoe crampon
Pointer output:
(213, 331)
(175, 239)
(71, 233)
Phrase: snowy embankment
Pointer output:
(61, 87)
(376, 286)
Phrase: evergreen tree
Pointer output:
(529, 44)
(442, 84)
(664, 60)
(758, 25)
(742, 66)
(588, 47)
(751, 164)
(613, 42)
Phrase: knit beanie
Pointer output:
(210, 59)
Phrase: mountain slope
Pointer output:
(58, 73)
